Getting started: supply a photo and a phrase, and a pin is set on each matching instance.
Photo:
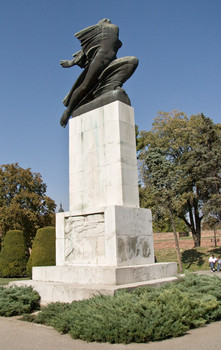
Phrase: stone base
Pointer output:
(104, 99)
(115, 236)
(105, 275)
(51, 292)
(100, 252)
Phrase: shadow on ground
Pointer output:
(192, 257)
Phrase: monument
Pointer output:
(105, 241)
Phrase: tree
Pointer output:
(180, 163)
(161, 218)
(162, 176)
(23, 202)
(14, 255)
(43, 249)
(212, 214)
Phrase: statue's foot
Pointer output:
(64, 119)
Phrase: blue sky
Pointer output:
(177, 43)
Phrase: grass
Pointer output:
(4, 281)
(190, 238)
(192, 259)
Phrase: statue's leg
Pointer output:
(115, 75)
(78, 82)
(88, 83)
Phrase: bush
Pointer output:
(18, 300)
(14, 255)
(141, 315)
(43, 249)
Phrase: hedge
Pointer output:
(43, 249)
(13, 255)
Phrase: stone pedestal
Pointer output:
(115, 236)
(105, 241)
(102, 158)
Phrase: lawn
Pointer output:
(192, 259)
(4, 281)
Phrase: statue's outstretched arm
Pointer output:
(67, 63)
(79, 59)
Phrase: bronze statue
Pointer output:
(103, 74)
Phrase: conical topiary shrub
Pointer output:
(43, 249)
(14, 255)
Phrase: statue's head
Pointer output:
(104, 20)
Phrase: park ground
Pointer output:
(193, 259)
(26, 335)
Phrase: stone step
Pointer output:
(67, 292)
(104, 275)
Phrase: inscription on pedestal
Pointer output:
(133, 247)
(132, 228)
(134, 222)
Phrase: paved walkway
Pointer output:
(19, 335)
(209, 273)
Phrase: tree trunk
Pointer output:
(196, 239)
(176, 241)
(197, 219)
(195, 223)
(196, 234)
(215, 242)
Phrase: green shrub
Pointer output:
(141, 315)
(18, 300)
(13, 255)
(43, 249)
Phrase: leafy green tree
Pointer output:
(180, 163)
(212, 215)
(14, 255)
(161, 217)
(23, 202)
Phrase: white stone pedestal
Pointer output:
(102, 158)
(105, 241)
(115, 236)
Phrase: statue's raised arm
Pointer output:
(103, 74)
